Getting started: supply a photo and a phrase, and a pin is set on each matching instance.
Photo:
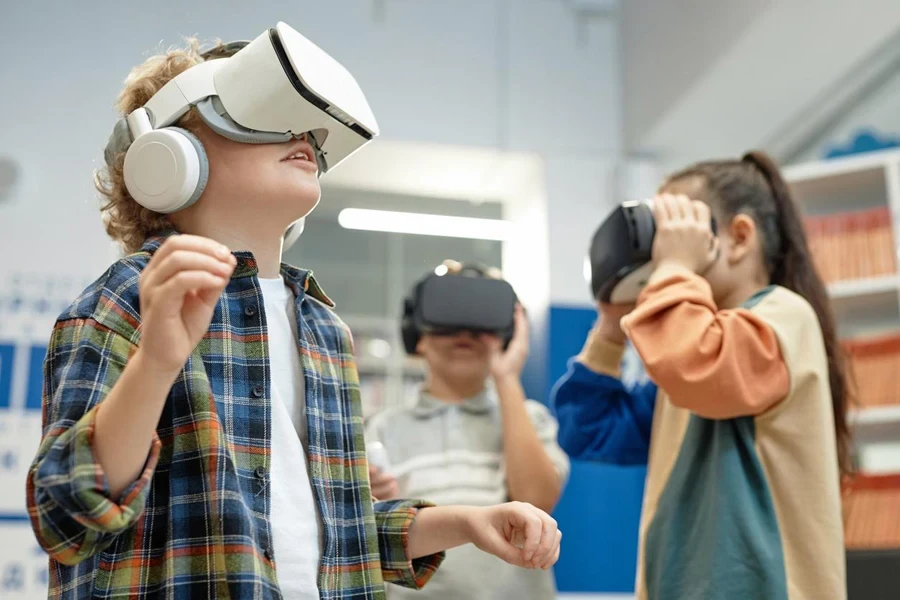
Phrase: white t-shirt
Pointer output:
(296, 525)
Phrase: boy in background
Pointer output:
(472, 437)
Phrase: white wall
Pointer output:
(791, 58)
(572, 220)
(878, 112)
(668, 45)
(430, 69)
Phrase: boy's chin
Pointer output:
(468, 371)
(298, 201)
(306, 194)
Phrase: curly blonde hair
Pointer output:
(126, 221)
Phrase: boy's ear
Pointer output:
(742, 234)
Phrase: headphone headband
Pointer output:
(121, 137)
(224, 50)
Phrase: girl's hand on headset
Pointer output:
(683, 234)
(510, 362)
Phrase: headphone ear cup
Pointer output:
(203, 164)
(410, 335)
(408, 331)
(166, 169)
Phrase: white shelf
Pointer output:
(876, 415)
(851, 165)
(855, 288)
(843, 185)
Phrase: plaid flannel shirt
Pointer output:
(196, 522)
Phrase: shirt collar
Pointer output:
(299, 280)
(428, 406)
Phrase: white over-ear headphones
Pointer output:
(166, 169)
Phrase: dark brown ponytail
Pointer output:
(754, 186)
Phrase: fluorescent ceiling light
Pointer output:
(425, 224)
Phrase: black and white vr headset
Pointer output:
(621, 253)
(271, 90)
(466, 301)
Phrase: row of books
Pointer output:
(853, 245)
(872, 512)
(875, 363)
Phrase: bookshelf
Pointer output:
(853, 219)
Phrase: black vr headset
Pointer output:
(465, 301)
(621, 252)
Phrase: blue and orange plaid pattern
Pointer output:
(196, 522)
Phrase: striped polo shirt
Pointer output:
(453, 454)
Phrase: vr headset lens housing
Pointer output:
(275, 88)
(284, 84)
(458, 303)
(621, 253)
(448, 304)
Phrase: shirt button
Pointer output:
(258, 391)
(250, 310)
(260, 472)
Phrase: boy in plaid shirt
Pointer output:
(203, 436)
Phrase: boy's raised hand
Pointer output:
(510, 362)
(179, 290)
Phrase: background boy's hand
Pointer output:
(384, 485)
(683, 233)
(510, 362)
(518, 533)
(179, 290)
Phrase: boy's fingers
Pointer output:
(548, 539)
(381, 478)
(555, 556)
(193, 243)
(186, 281)
(185, 260)
(533, 526)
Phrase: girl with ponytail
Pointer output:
(743, 425)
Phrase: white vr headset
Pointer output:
(272, 90)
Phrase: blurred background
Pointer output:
(542, 114)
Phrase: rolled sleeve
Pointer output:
(393, 519)
(719, 364)
(68, 496)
